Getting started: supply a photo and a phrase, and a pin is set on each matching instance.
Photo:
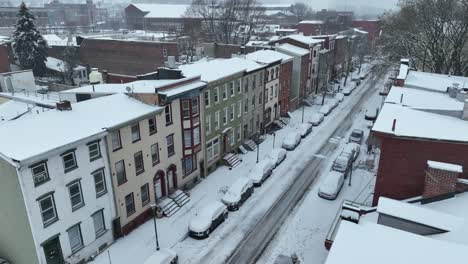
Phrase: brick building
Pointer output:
(225, 51)
(341, 53)
(310, 27)
(125, 57)
(83, 14)
(8, 16)
(4, 57)
(373, 27)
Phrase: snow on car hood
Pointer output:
(260, 169)
(316, 117)
(202, 221)
(290, 139)
(303, 128)
(233, 194)
(161, 256)
(276, 154)
(329, 185)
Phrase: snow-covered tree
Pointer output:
(70, 61)
(29, 46)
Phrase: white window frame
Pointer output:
(99, 223)
(225, 116)
(196, 136)
(80, 194)
(53, 208)
(138, 133)
(116, 136)
(80, 245)
(146, 187)
(75, 164)
(233, 111)
(217, 123)
(154, 162)
(208, 124)
(239, 108)
(43, 176)
(205, 98)
(98, 149)
(216, 95)
(100, 181)
(225, 92)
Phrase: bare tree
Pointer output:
(227, 21)
(301, 11)
(70, 62)
(433, 34)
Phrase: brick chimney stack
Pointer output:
(441, 179)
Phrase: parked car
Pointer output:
(356, 80)
(343, 162)
(238, 193)
(316, 119)
(291, 141)
(353, 86)
(305, 129)
(207, 220)
(277, 155)
(261, 171)
(333, 103)
(163, 256)
(371, 113)
(356, 136)
(331, 185)
(339, 97)
(353, 149)
(325, 109)
(346, 91)
(363, 75)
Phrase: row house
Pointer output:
(57, 194)
(299, 73)
(278, 76)
(156, 155)
(221, 108)
(313, 46)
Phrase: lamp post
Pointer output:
(274, 137)
(258, 146)
(153, 207)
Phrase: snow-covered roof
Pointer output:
(253, 43)
(211, 70)
(360, 31)
(49, 99)
(244, 63)
(420, 124)
(268, 56)
(403, 72)
(142, 86)
(311, 22)
(420, 99)
(55, 128)
(183, 89)
(59, 65)
(55, 40)
(163, 10)
(292, 49)
(370, 243)
(433, 81)
(418, 214)
(304, 39)
(286, 30)
(12, 109)
(445, 166)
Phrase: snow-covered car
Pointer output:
(353, 86)
(238, 193)
(291, 141)
(333, 103)
(356, 80)
(163, 256)
(346, 91)
(356, 136)
(353, 149)
(343, 162)
(363, 75)
(325, 109)
(261, 171)
(339, 97)
(316, 119)
(208, 218)
(331, 185)
(305, 129)
(277, 155)
(371, 113)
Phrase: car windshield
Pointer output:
(356, 134)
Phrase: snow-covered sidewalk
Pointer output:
(140, 244)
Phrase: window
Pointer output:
(315, 53)
(99, 224)
(232, 137)
(120, 172)
(195, 106)
(129, 204)
(260, 99)
(170, 145)
(152, 125)
(216, 95)
(260, 79)
(277, 72)
(196, 136)
(164, 51)
(76, 196)
(232, 113)
(239, 133)
(40, 173)
(271, 91)
(206, 97)
(208, 124)
(168, 113)
(99, 182)
(185, 109)
(48, 212)
(246, 85)
(187, 138)
(69, 161)
(246, 105)
(145, 198)
(253, 101)
(116, 142)
(254, 81)
(239, 86)
(231, 88)
(224, 91)
(216, 120)
(94, 151)
(212, 149)
(75, 238)
(139, 165)
(155, 154)
(239, 108)
(272, 72)
(225, 116)
(276, 90)
(135, 132)
(267, 75)
(190, 164)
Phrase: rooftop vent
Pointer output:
(64, 106)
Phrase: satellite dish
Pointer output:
(128, 89)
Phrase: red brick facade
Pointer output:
(310, 29)
(126, 57)
(439, 182)
(4, 61)
(402, 165)
(372, 27)
(285, 86)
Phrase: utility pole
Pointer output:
(153, 207)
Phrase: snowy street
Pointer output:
(309, 159)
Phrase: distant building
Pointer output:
(66, 14)
(4, 56)
(373, 27)
(57, 68)
(8, 16)
(335, 21)
(310, 27)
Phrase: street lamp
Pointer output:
(153, 209)
(258, 146)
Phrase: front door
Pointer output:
(170, 180)
(53, 251)
(225, 144)
(158, 189)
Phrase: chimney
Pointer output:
(465, 110)
(64, 106)
(394, 125)
(105, 76)
(441, 180)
